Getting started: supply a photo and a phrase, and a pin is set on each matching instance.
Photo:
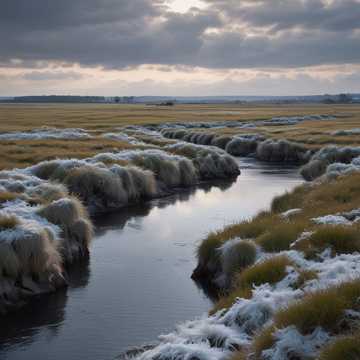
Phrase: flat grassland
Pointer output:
(98, 119)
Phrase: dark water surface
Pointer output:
(137, 283)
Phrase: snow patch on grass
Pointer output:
(46, 133)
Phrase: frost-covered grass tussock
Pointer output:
(44, 223)
(247, 145)
(347, 132)
(276, 320)
(121, 136)
(112, 180)
(335, 159)
(210, 162)
(45, 133)
(42, 229)
(282, 151)
(275, 121)
(290, 298)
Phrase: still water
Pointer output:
(137, 283)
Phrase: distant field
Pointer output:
(98, 119)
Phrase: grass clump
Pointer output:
(304, 276)
(341, 239)
(325, 309)
(320, 309)
(264, 340)
(237, 256)
(347, 348)
(207, 253)
(289, 200)
(8, 221)
(280, 236)
(7, 196)
(268, 271)
(239, 355)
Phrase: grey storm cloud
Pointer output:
(122, 33)
(333, 15)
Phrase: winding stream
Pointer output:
(137, 283)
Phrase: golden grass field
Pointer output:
(100, 118)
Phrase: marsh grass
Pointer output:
(263, 340)
(280, 236)
(8, 196)
(304, 276)
(8, 221)
(325, 309)
(98, 118)
(342, 239)
(273, 233)
(346, 348)
(238, 257)
(22, 153)
(268, 271)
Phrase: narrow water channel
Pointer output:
(137, 283)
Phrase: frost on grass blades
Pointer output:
(275, 121)
(46, 133)
(42, 229)
(338, 156)
(247, 145)
(292, 302)
(44, 224)
(113, 180)
(243, 325)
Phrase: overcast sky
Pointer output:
(181, 47)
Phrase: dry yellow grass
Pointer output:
(99, 118)
(22, 153)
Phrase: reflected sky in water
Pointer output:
(137, 284)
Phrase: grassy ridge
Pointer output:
(273, 232)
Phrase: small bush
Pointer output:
(346, 348)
